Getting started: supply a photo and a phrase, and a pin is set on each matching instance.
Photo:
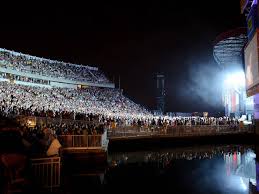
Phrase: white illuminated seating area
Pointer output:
(51, 68)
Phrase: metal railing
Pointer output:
(178, 131)
(46, 172)
(83, 141)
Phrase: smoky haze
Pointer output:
(202, 88)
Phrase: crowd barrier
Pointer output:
(84, 141)
(178, 131)
(126, 131)
(87, 141)
(46, 172)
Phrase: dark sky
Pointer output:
(131, 39)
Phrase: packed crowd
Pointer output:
(26, 63)
(19, 99)
(106, 105)
(39, 138)
(99, 104)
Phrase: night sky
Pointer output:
(131, 39)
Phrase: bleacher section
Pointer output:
(34, 70)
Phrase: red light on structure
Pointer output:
(235, 156)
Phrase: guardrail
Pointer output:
(46, 172)
(178, 131)
(84, 141)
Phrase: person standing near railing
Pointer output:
(85, 137)
(241, 125)
(94, 136)
(54, 146)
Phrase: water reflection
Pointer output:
(206, 169)
(202, 169)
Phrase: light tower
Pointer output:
(160, 93)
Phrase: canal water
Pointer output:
(225, 169)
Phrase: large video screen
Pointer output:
(251, 63)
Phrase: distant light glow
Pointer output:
(251, 155)
(244, 187)
(236, 79)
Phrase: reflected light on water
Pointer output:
(219, 169)
(201, 170)
(243, 185)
